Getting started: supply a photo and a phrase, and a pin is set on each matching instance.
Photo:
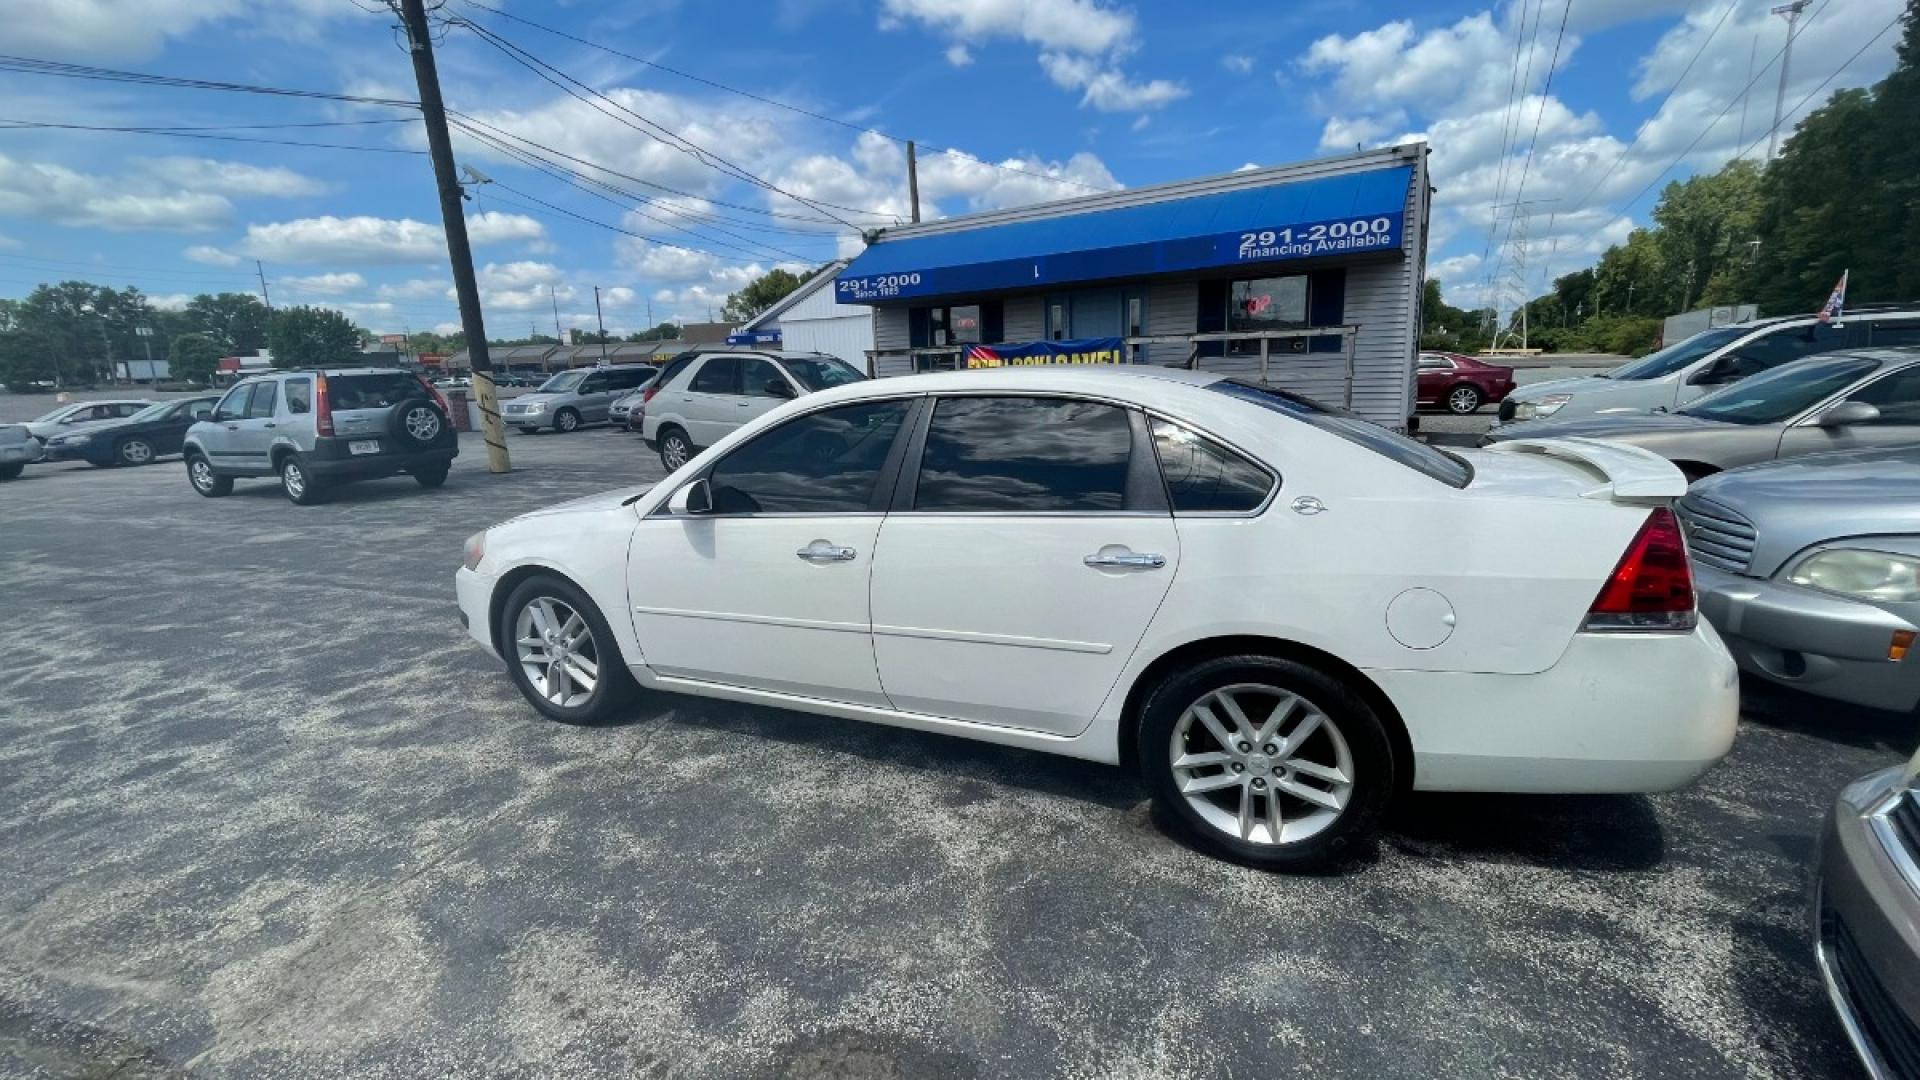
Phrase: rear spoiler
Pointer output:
(1631, 474)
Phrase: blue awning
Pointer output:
(1353, 213)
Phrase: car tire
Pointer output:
(416, 423)
(566, 421)
(529, 431)
(134, 452)
(1464, 400)
(12, 470)
(1312, 746)
(530, 653)
(202, 478)
(301, 487)
(675, 448)
(431, 478)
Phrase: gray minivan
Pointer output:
(573, 398)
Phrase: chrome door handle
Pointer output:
(1127, 560)
(826, 553)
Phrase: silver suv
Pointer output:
(315, 429)
(573, 398)
(702, 397)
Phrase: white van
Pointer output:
(1675, 375)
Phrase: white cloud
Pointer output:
(171, 301)
(1237, 63)
(96, 30)
(958, 56)
(232, 177)
(415, 289)
(1248, 167)
(212, 256)
(618, 297)
(8, 243)
(363, 238)
(446, 329)
(332, 284)
(519, 275)
(1079, 25)
(1342, 134)
(1104, 87)
(494, 227)
(58, 194)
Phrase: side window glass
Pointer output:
(594, 384)
(755, 376)
(717, 375)
(1897, 397)
(126, 410)
(234, 405)
(1023, 455)
(1203, 476)
(1895, 333)
(299, 395)
(264, 396)
(200, 410)
(822, 463)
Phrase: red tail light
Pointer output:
(1652, 588)
(322, 408)
(647, 394)
(433, 392)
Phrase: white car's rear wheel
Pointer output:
(1266, 761)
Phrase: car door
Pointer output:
(592, 399)
(1027, 551)
(1895, 396)
(769, 589)
(1434, 374)
(707, 404)
(219, 439)
(168, 435)
(251, 438)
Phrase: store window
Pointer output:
(1274, 303)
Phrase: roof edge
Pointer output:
(798, 294)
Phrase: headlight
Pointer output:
(1550, 404)
(476, 549)
(74, 440)
(1868, 575)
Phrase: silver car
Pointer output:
(575, 398)
(1867, 917)
(1841, 401)
(79, 413)
(18, 449)
(1810, 571)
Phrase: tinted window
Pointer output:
(1430, 362)
(299, 395)
(1781, 394)
(1787, 344)
(264, 396)
(822, 463)
(1897, 397)
(1205, 477)
(674, 367)
(628, 378)
(756, 373)
(200, 410)
(1392, 445)
(234, 405)
(1022, 455)
(818, 373)
(127, 408)
(374, 390)
(1679, 354)
(1894, 332)
(719, 375)
(562, 383)
(594, 384)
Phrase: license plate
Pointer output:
(364, 446)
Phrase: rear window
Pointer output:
(374, 390)
(1392, 445)
(820, 372)
(673, 369)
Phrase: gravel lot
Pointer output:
(263, 811)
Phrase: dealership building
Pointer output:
(1307, 275)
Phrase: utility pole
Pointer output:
(1686, 293)
(1629, 297)
(913, 181)
(554, 295)
(454, 217)
(603, 324)
(1752, 51)
(264, 298)
(1792, 11)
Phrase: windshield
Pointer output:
(562, 382)
(1783, 393)
(820, 372)
(1679, 354)
(1415, 455)
(54, 415)
(152, 412)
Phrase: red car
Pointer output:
(1460, 383)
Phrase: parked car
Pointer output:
(1810, 569)
(157, 431)
(18, 449)
(1685, 370)
(1461, 383)
(316, 429)
(1084, 562)
(1839, 401)
(1867, 917)
(701, 401)
(71, 416)
(621, 412)
(461, 382)
(574, 398)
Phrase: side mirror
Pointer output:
(779, 388)
(1848, 413)
(692, 499)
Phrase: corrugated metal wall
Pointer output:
(1025, 318)
(1172, 307)
(847, 337)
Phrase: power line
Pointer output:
(1506, 129)
(39, 125)
(601, 224)
(27, 65)
(1848, 62)
(788, 106)
(1526, 167)
(150, 271)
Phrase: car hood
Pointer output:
(1578, 384)
(1622, 426)
(605, 500)
(1807, 500)
(535, 399)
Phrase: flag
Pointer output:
(1837, 300)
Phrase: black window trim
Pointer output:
(1274, 479)
(884, 485)
(1146, 491)
(1868, 380)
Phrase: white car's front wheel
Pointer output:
(1266, 761)
(561, 653)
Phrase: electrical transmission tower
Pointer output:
(1509, 280)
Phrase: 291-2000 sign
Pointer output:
(882, 285)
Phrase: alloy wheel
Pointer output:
(201, 474)
(566, 421)
(674, 451)
(556, 652)
(422, 423)
(136, 452)
(1463, 400)
(294, 479)
(1261, 764)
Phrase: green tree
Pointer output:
(1703, 229)
(27, 357)
(237, 320)
(666, 331)
(312, 337)
(194, 357)
(760, 294)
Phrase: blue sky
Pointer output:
(1039, 99)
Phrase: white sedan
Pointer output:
(1281, 615)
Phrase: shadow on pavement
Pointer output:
(1570, 832)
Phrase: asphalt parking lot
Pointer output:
(264, 811)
